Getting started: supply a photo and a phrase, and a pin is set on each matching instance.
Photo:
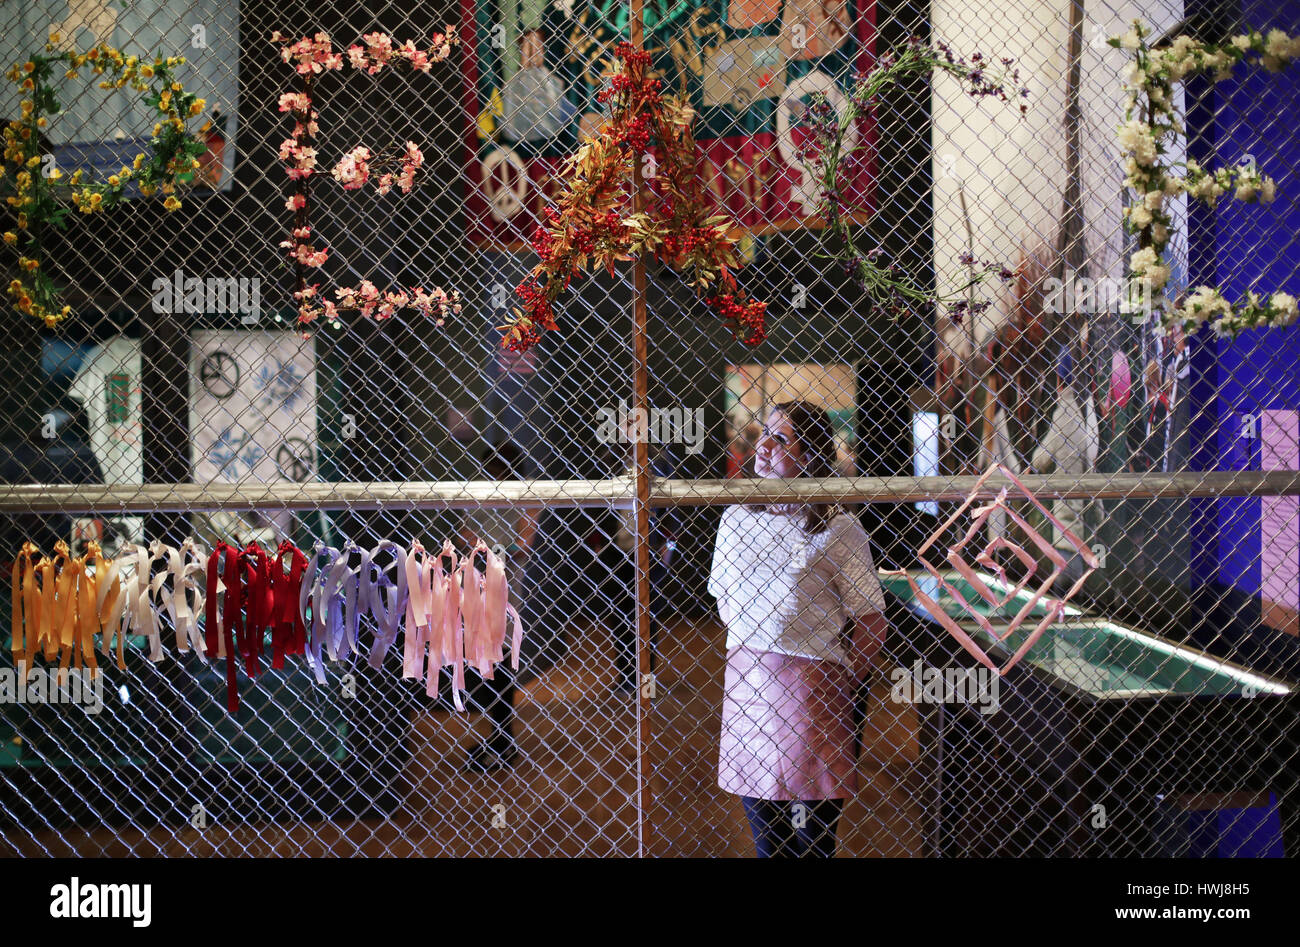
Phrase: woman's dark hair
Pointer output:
(816, 438)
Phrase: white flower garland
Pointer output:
(1152, 75)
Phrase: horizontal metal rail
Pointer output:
(619, 492)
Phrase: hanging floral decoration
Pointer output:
(38, 189)
(360, 166)
(1149, 119)
(831, 142)
(592, 220)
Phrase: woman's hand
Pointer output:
(868, 636)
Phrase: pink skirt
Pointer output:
(787, 728)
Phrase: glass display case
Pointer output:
(1092, 732)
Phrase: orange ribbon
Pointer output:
(66, 579)
(59, 607)
(88, 605)
(45, 635)
(109, 601)
(27, 607)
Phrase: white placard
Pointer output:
(252, 407)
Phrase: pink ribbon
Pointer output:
(985, 558)
(496, 610)
(417, 611)
(453, 631)
(495, 599)
(471, 602)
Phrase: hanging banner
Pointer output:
(533, 71)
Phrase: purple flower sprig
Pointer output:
(829, 144)
(963, 306)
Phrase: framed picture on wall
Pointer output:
(252, 421)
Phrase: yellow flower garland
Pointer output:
(172, 160)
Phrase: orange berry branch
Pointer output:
(593, 222)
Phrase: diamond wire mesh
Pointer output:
(1117, 729)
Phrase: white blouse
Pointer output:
(781, 590)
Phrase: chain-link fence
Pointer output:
(841, 664)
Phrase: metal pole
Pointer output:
(620, 493)
(642, 504)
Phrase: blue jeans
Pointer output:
(783, 831)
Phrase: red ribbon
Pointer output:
(259, 604)
(289, 634)
(231, 611)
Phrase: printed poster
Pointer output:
(252, 420)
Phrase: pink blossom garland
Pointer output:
(315, 55)
(366, 299)
(354, 170)
(312, 56)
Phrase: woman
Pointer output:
(788, 579)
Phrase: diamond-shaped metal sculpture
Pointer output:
(985, 558)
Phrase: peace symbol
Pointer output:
(220, 375)
(505, 188)
(293, 459)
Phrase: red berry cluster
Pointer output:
(637, 98)
(626, 83)
(537, 307)
(618, 84)
(677, 248)
(531, 292)
(520, 337)
(746, 320)
(606, 229)
(631, 57)
(634, 134)
(543, 243)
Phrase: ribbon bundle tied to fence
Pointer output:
(225, 603)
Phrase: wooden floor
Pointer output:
(574, 791)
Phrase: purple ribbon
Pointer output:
(313, 594)
(377, 583)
